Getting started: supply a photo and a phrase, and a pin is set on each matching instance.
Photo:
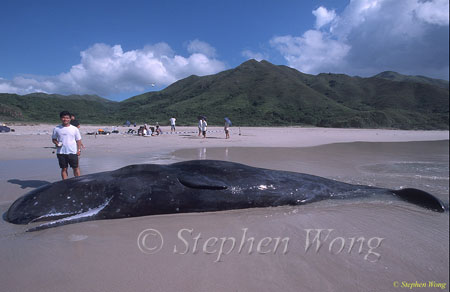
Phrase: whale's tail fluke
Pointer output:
(421, 198)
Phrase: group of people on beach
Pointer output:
(67, 139)
(202, 125)
(147, 130)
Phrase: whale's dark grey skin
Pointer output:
(191, 186)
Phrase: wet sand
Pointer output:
(422, 164)
(34, 142)
(105, 256)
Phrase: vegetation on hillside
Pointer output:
(260, 94)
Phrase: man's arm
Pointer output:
(54, 136)
(79, 146)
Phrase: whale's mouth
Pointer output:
(53, 216)
(67, 218)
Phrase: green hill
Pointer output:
(394, 76)
(41, 107)
(262, 94)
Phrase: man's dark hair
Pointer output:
(64, 113)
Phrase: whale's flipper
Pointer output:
(421, 198)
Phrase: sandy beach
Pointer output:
(105, 255)
(30, 142)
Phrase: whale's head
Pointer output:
(28, 207)
(57, 200)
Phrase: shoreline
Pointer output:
(34, 142)
(167, 125)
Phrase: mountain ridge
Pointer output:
(263, 94)
(395, 76)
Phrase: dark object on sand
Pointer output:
(103, 132)
(5, 129)
(190, 186)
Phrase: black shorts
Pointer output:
(204, 133)
(67, 159)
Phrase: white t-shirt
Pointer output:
(68, 136)
(172, 121)
(204, 125)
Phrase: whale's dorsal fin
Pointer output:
(202, 182)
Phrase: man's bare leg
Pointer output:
(76, 171)
(64, 173)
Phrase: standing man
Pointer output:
(203, 127)
(172, 124)
(227, 130)
(74, 121)
(200, 126)
(67, 139)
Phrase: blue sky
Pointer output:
(117, 49)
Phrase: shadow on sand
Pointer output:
(28, 183)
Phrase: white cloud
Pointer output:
(312, 52)
(106, 70)
(323, 16)
(254, 55)
(435, 12)
(370, 36)
(200, 47)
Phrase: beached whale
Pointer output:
(191, 186)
